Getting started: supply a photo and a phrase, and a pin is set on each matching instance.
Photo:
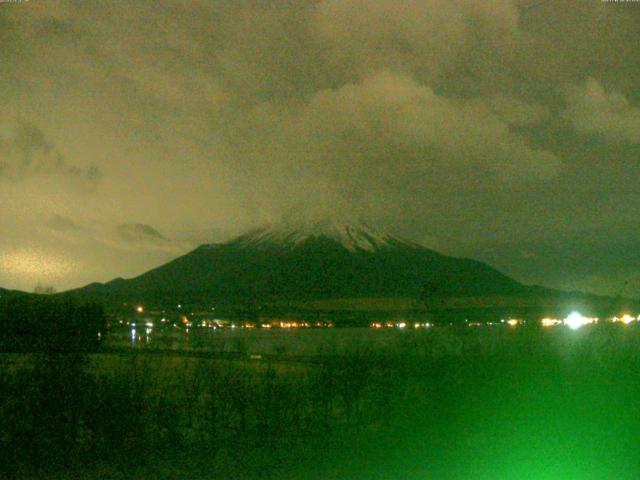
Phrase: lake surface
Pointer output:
(429, 342)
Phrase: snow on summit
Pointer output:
(352, 236)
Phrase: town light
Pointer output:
(626, 319)
(575, 320)
(550, 322)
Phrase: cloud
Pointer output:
(514, 111)
(62, 224)
(436, 118)
(389, 130)
(25, 152)
(424, 38)
(141, 238)
(139, 233)
(593, 110)
(39, 246)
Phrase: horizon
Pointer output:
(316, 228)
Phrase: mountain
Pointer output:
(315, 265)
(4, 293)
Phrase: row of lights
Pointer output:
(215, 325)
(399, 325)
(574, 320)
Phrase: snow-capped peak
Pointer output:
(352, 236)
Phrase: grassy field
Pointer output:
(451, 404)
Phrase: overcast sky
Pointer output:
(503, 130)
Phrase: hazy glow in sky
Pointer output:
(35, 263)
(504, 130)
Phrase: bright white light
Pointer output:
(626, 319)
(575, 320)
(402, 325)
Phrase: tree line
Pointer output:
(46, 323)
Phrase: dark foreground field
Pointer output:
(502, 404)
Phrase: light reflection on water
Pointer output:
(439, 341)
(136, 338)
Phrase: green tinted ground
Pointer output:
(536, 405)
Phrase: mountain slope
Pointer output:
(4, 293)
(309, 262)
